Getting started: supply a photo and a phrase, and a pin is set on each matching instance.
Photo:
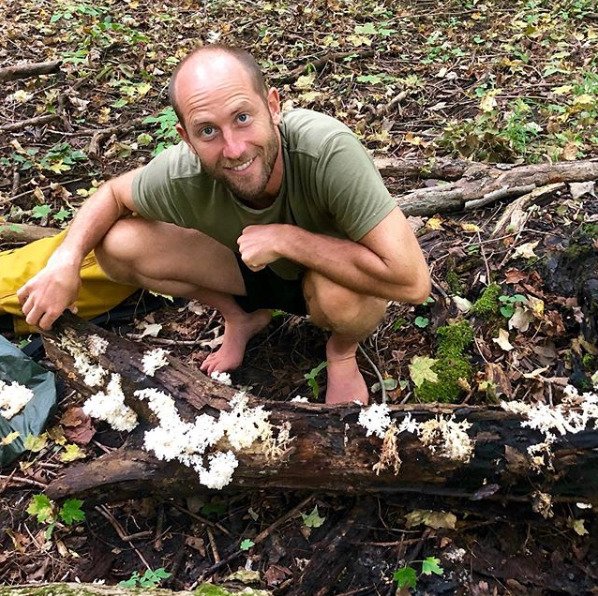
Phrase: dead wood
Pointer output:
(31, 69)
(23, 233)
(37, 121)
(483, 184)
(83, 589)
(329, 450)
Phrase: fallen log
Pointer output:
(23, 233)
(28, 69)
(81, 589)
(327, 448)
(483, 184)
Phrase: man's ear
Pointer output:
(183, 134)
(273, 101)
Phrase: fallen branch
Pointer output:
(482, 184)
(329, 450)
(37, 121)
(23, 234)
(31, 69)
(81, 589)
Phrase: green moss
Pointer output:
(451, 365)
(589, 230)
(487, 305)
(454, 283)
(589, 362)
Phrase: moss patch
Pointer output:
(451, 367)
(487, 305)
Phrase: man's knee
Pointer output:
(116, 252)
(337, 308)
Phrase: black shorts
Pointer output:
(265, 289)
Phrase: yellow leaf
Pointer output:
(434, 223)
(56, 434)
(306, 81)
(536, 305)
(359, 40)
(310, 95)
(489, 102)
(432, 519)
(35, 444)
(143, 89)
(579, 527)
(469, 227)
(420, 370)
(503, 340)
(71, 453)
(584, 101)
(22, 96)
(9, 438)
(563, 90)
(525, 251)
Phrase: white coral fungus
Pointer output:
(109, 405)
(222, 377)
(13, 398)
(375, 419)
(447, 437)
(97, 345)
(93, 374)
(188, 442)
(153, 360)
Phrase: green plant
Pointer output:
(507, 309)
(246, 544)
(311, 378)
(46, 511)
(166, 132)
(406, 577)
(421, 322)
(150, 579)
(487, 304)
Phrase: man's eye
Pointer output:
(207, 131)
(243, 118)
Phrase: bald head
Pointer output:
(207, 53)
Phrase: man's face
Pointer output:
(231, 127)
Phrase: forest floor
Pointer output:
(510, 82)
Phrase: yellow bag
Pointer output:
(98, 294)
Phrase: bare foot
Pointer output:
(237, 332)
(345, 383)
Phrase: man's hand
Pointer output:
(49, 293)
(258, 245)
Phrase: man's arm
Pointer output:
(387, 262)
(56, 287)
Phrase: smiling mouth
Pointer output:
(243, 166)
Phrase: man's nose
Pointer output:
(234, 146)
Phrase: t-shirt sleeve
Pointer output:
(351, 187)
(155, 188)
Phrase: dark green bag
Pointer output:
(15, 366)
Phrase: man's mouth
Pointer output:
(242, 167)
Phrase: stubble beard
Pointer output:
(268, 155)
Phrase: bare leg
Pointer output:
(350, 317)
(168, 259)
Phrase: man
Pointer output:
(251, 211)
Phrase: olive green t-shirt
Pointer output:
(330, 186)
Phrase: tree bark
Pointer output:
(329, 449)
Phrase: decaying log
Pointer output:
(81, 589)
(28, 69)
(23, 233)
(483, 184)
(329, 450)
(38, 120)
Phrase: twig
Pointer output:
(213, 546)
(22, 71)
(378, 374)
(105, 512)
(38, 120)
(20, 480)
(201, 519)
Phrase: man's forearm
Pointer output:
(355, 266)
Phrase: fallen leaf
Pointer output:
(535, 373)
(521, 319)
(503, 340)
(35, 443)
(578, 526)
(71, 453)
(525, 251)
(305, 81)
(434, 223)
(469, 227)
(432, 519)
(79, 427)
(578, 189)
(536, 305)
(9, 438)
(150, 329)
(462, 304)
(420, 370)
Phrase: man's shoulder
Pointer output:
(176, 162)
(310, 132)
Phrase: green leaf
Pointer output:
(41, 507)
(430, 565)
(71, 511)
(406, 577)
(62, 214)
(372, 79)
(151, 579)
(35, 444)
(246, 544)
(71, 453)
(41, 211)
(420, 370)
(313, 520)
(421, 322)
(390, 384)
(131, 582)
